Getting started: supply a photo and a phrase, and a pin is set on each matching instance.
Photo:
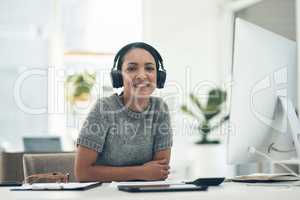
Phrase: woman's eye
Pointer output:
(150, 68)
(131, 69)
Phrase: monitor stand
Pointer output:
(284, 110)
(293, 122)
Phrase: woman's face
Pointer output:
(139, 73)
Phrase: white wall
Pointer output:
(24, 46)
(189, 35)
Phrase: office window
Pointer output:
(100, 25)
(91, 33)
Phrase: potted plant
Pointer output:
(79, 85)
(216, 98)
(78, 89)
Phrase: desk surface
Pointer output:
(230, 191)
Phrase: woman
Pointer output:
(128, 136)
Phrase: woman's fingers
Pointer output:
(166, 167)
(165, 172)
(163, 162)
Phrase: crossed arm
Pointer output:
(85, 170)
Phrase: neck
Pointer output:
(135, 104)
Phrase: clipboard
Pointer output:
(162, 188)
(56, 186)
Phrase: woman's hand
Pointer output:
(155, 170)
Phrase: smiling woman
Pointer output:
(128, 136)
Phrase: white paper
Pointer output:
(53, 186)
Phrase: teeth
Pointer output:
(141, 85)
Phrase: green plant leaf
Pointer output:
(197, 102)
(189, 112)
(209, 114)
(216, 98)
(221, 121)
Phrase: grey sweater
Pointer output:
(123, 137)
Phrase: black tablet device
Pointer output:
(213, 181)
(161, 188)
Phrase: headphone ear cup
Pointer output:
(161, 78)
(116, 78)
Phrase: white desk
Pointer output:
(230, 191)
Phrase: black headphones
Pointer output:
(116, 75)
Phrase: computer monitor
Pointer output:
(264, 68)
(42, 144)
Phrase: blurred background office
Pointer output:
(50, 48)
